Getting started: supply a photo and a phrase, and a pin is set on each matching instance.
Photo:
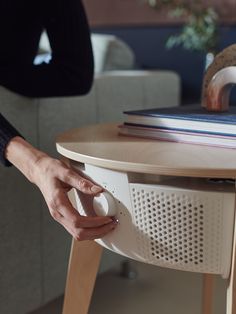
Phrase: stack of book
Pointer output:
(186, 124)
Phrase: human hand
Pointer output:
(55, 179)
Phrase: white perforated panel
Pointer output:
(178, 229)
(182, 224)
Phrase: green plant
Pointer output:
(200, 30)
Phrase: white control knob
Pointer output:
(104, 204)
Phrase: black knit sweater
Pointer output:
(70, 71)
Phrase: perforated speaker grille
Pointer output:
(178, 229)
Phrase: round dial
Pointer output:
(104, 204)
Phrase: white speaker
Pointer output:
(180, 223)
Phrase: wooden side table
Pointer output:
(102, 147)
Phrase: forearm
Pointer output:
(46, 80)
(23, 156)
(70, 71)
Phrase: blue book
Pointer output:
(191, 118)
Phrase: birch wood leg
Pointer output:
(231, 289)
(231, 294)
(83, 266)
(207, 298)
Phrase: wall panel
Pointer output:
(136, 12)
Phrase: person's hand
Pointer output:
(55, 179)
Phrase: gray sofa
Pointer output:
(34, 249)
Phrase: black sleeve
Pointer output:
(70, 71)
(7, 132)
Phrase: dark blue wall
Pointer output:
(148, 44)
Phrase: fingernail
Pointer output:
(96, 189)
(115, 220)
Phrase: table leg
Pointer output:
(83, 266)
(207, 297)
(231, 289)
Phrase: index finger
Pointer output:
(80, 182)
(71, 214)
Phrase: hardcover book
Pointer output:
(193, 118)
(178, 136)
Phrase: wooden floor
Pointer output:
(154, 291)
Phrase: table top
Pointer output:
(100, 145)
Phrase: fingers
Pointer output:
(72, 178)
(60, 179)
(62, 206)
(81, 234)
(81, 227)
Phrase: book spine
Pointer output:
(181, 137)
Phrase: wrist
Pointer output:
(40, 168)
(23, 156)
